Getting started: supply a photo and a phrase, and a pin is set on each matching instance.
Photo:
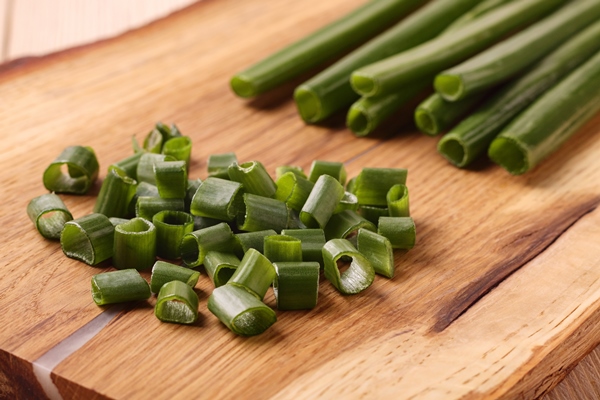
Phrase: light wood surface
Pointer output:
(499, 299)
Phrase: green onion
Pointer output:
(176, 302)
(252, 240)
(171, 179)
(368, 113)
(254, 177)
(372, 213)
(312, 241)
(322, 45)
(88, 239)
(180, 148)
(146, 207)
(331, 168)
(516, 53)
(240, 310)
(218, 164)
(145, 168)
(480, 9)
(346, 224)
(119, 287)
(400, 231)
(372, 184)
(217, 198)
(391, 74)
(296, 286)
(116, 221)
(378, 250)
(397, 201)
(435, 114)
(359, 273)
(293, 190)
(330, 90)
(549, 121)
(128, 165)
(195, 245)
(171, 226)
(116, 194)
(163, 272)
(134, 244)
(145, 189)
(348, 202)
(168, 132)
(322, 202)
(73, 171)
(262, 213)
(49, 214)
(192, 187)
(153, 142)
(205, 222)
(282, 169)
(255, 273)
(220, 266)
(282, 248)
(472, 136)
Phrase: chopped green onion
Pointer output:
(167, 132)
(282, 248)
(116, 194)
(220, 266)
(372, 184)
(255, 273)
(391, 74)
(192, 186)
(143, 189)
(119, 287)
(205, 222)
(240, 311)
(163, 272)
(252, 240)
(73, 171)
(312, 241)
(153, 142)
(293, 189)
(400, 231)
(324, 44)
(359, 273)
(176, 302)
(195, 245)
(435, 114)
(135, 244)
(397, 201)
(88, 239)
(372, 213)
(128, 165)
(348, 202)
(296, 286)
(378, 250)
(49, 214)
(217, 198)
(218, 164)
(180, 148)
(171, 226)
(331, 168)
(282, 169)
(146, 207)
(116, 221)
(171, 179)
(322, 202)
(263, 213)
(254, 177)
(549, 121)
(345, 224)
(513, 55)
(145, 168)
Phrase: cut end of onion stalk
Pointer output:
(308, 103)
(364, 85)
(453, 150)
(450, 87)
(243, 87)
(425, 122)
(358, 121)
(509, 154)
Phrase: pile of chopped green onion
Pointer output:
(249, 230)
(513, 78)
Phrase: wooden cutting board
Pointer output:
(499, 299)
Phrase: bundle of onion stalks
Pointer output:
(515, 78)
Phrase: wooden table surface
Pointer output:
(500, 298)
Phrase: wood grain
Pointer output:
(500, 297)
